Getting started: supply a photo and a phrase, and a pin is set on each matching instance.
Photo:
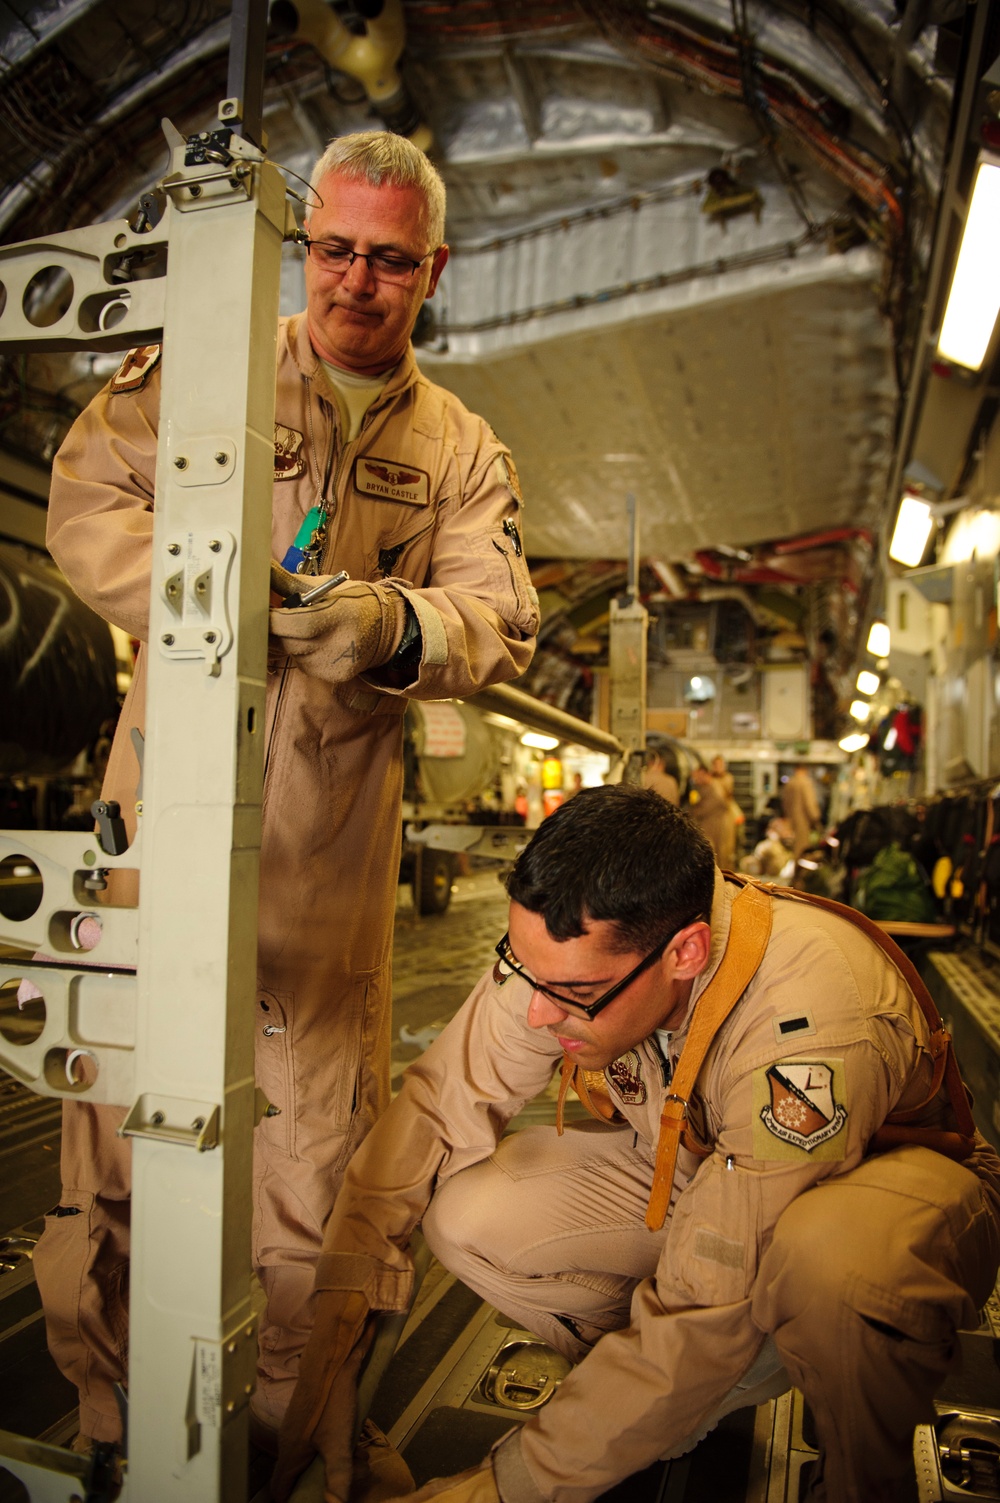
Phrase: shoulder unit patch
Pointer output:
(136, 368)
(800, 1107)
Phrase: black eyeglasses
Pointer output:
(387, 268)
(589, 1009)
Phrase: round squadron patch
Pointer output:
(624, 1075)
(799, 1108)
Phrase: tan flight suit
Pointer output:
(663, 783)
(712, 815)
(801, 809)
(420, 497)
(785, 1229)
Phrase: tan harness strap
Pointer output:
(592, 1089)
(749, 932)
(895, 1129)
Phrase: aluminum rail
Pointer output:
(502, 699)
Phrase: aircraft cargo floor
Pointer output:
(462, 1375)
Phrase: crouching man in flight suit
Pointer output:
(774, 1195)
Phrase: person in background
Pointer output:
(379, 472)
(724, 778)
(656, 776)
(710, 811)
(801, 808)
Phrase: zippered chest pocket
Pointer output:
(392, 556)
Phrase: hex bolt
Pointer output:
(157, 1119)
(174, 548)
(229, 108)
(198, 1124)
(180, 463)
(195, 190)
(221, 458)
(167, 639)
(210, 636)
(200, 587)
(215, 545)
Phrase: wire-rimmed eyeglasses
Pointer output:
(588, 1009)
(383, 265)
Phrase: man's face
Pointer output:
(356, 321)
(584, 968)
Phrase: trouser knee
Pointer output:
(460, 1224)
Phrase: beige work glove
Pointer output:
(356, 627)
(321, 1416)
(477, 1485)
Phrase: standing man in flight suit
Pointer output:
(380, 473)
(766, 1199)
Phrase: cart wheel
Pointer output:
(436, 873)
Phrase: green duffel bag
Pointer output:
(894, 887)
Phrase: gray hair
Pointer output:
(379, 156)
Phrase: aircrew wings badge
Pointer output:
(799, 1107)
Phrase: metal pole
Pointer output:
(247, 42)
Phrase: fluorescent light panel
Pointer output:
(878, 640)
(861, 709)
(543, 743)
(854, 742)
(913, 527)
(974, 299)
(867, 682)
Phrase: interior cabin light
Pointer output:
(543, 743)
(974, 298)
(868, 682)
(878, 640)
(861, 709)
(914, 522)
(853, 742)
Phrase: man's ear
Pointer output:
(691, 950)
(437, 267)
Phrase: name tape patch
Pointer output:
(390, 481)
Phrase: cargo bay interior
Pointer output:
(701, 257)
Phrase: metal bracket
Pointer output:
(224, 1374)
(171, 1119)
(50, 1474)
(197, 565)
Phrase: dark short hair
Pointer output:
(622, 854)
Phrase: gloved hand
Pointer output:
(477, 1485)
(356, 627)
(322, 1412)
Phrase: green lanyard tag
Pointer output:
(312, 527)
